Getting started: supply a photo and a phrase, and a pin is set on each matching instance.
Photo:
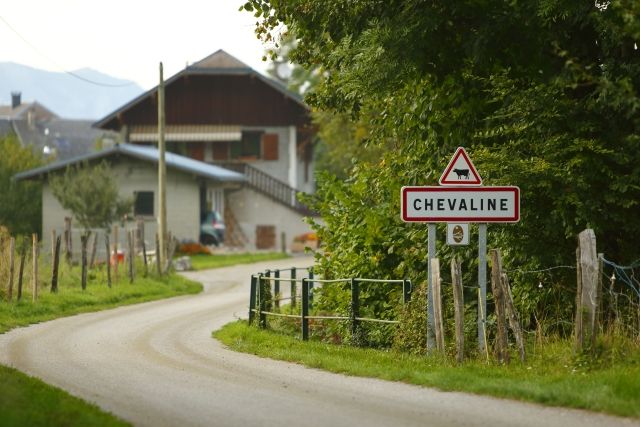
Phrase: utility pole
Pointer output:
(162, 172)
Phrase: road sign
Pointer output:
(460, 204)
(460, 170)
(457, 234)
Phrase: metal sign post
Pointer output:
(431, 229)
(482, 286)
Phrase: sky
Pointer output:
(126, 38)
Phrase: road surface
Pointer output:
(155, 364)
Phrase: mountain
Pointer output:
(66, 95)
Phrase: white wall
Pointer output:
(252, 209)
(183, 205)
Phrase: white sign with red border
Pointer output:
(460, 204)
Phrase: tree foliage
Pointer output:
(542, 93)
(20, 201)
(91, 194)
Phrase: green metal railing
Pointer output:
(263, 283)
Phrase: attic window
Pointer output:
(143, 203)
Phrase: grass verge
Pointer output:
(551, 377)
(27, 401)
(203, 262)
(71, 299)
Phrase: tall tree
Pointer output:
(20, 201)
(543, 93)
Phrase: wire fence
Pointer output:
(266, 295)
(618, 307)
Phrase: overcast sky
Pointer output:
(126, 38)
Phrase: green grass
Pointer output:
(71, 299)
(27, 401)
(551, 377)
(203, 262)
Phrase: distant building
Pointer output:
(135, 169)
(49, 135)
(222, 112)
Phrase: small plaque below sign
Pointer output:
(457, 234)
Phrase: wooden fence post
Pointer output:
(355, 312)
(34, 277)
(53, 252)
(171, 252)
(436, 284)
(587, 298)
(23, 256)
(12, 245)
(501, 350)
(84, 239)
(144, 255)
(68, 238)
(458, 303)
(115, 253)
(252, 299)
(512, 316)
(56, 263)
(130, 251)
(107, 246)
(158, 267)
(305, 310)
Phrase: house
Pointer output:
(136, 171)
(222, 112)
(48, 134)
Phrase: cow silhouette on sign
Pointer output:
(462, 173)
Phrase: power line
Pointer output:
(71, 73)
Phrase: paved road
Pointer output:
(155, 364)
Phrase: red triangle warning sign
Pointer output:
(460, 170)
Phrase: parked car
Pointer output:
(212, 229)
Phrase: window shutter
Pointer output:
(221, 150)
(270, 146)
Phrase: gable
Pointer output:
(215, 99)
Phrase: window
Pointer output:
(143, 203)
(248, 147)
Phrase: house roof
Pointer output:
(21, 111)
(218, 63)
(67, 138)
(220, 60)
(145, 153)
